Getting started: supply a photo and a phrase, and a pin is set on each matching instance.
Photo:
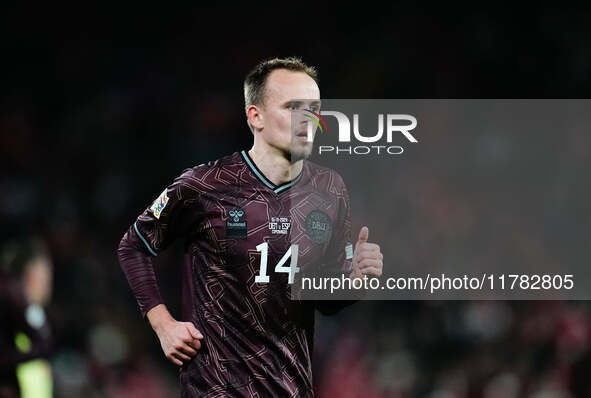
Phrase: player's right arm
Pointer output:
(169, 217)
(179, 340)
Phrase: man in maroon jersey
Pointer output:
(241, 334)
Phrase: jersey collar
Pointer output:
(261, 177)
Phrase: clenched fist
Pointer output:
(179, 340)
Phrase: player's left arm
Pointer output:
(366, 260)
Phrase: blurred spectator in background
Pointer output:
(25, 337)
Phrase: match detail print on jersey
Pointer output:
(279, 225)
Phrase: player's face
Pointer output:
(285, 92)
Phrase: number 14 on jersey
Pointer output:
(293, 269)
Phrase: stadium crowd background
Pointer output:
(99, 111)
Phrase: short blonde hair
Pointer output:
(254, 83)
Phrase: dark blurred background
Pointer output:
(101, 107)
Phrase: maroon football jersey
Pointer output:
(237, 227)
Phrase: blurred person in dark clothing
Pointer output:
(25, 287)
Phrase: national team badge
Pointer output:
(236, 225)
(159, 204)
(318, 226)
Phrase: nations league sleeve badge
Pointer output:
(235, 225)
(159, 204)
(318, 226)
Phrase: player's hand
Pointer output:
(367, 258)
(180, 341)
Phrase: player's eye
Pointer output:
(292, 107)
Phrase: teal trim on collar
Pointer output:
(265, 180)
(288, 185)
(256, 171)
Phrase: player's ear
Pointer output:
(255, 117)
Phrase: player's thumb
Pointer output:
(363, 235)
(196, 334)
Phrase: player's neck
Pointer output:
(275, 166)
